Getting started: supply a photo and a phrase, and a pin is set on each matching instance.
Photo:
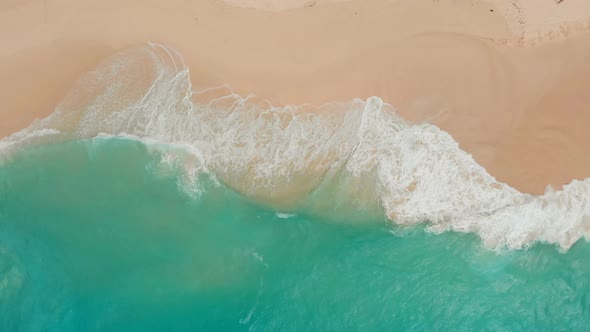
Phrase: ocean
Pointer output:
(142, 204)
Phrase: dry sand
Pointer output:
(508, 79)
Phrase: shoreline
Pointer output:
(518, 110)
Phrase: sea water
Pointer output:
(95, 237)
(142, 204)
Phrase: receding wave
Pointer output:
(361, 153)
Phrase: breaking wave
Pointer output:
(360, 154)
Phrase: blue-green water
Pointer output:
(95, 237)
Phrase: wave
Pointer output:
(361, 154)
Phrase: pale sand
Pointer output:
(508, 79)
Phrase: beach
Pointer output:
(512, 94)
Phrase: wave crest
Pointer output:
(361, 154)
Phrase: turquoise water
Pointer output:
(97, 235)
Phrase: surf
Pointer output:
(361, 154)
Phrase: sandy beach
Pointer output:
(507, 79)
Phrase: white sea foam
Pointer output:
(23, 138)
(283, 215)
(361, 153)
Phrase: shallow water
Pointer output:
(103, 235)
